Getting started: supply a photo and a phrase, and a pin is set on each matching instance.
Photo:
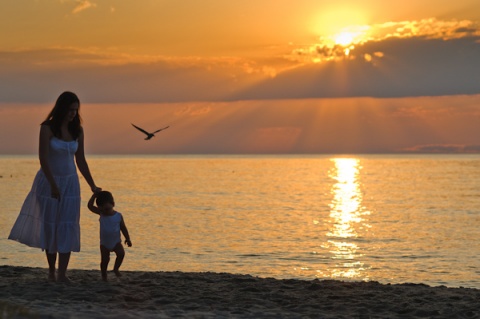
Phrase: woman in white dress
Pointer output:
(50, 216)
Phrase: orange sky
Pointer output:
(332, 126)
(268, 76)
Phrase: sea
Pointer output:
(386, 218)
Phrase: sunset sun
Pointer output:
(351, 35)
(344, 38)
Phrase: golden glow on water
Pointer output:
(346, 216)
(298, 217)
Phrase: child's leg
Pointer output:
(120, 252)
(105, 260)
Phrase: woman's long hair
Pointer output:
(58, 113)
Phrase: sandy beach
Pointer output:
(26, 293)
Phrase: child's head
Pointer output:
(105, 200)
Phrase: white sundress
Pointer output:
(44, 222)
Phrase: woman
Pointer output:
(50, 216)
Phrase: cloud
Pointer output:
(419, 58)
(344, 44)
(191, 110)
(83, 5)
(393, 67)
(444, 148)
(113, 77)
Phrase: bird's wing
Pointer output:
(141, 130)
(161, 129)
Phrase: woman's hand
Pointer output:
(55, 192)
(96, 189)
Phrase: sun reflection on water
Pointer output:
(347, 216)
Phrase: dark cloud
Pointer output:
(407, 67)
(443, 149)
(466, 30)
(392, 67)
(37, 76)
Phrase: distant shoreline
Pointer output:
(25, 292)
(279, 155)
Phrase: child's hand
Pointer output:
(128, 242)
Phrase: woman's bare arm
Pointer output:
(82, 163)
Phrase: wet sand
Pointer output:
(26, 293)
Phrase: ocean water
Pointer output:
(388, 218)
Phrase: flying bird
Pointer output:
(149, 135)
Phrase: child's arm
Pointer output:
(124, 230)
(91, 204)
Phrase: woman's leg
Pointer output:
(105, 260)
(52, 259)
(63, 260)
(120, 252)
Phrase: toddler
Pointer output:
(111, 223)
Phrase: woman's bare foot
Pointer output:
(117, 273)
(64, 279)
(51, 277)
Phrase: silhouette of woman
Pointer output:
(50, 216)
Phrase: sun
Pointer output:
(336, 18)
(351, 35)
(344, 38)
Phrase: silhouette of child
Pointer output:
(111, 223)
